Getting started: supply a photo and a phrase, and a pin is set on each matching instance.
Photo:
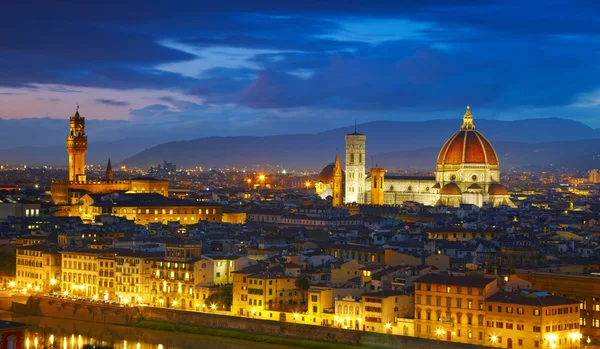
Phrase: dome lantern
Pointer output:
(468, 120)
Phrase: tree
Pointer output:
(303, 285)
(221, 299)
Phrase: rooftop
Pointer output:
(452, 280)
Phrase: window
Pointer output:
(536, 312)
(499, 309)
(509, 326)
(418, 299)
(537, 329)
(469, 304)
(520, 311)
(520, 327)
(509, 310)
(499, 324)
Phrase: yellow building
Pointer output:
(320, 302)
(147, 208)
(452, 308)
(38, 268)
(80, 272)
(381, 310)
(131, 274)
(172, 277)
(530, 319)
(106, 277)
(349, 313)
(255, 293)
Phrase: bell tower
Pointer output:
(355, 167)
(338, 182)
(76, 147)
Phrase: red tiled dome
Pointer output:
(497, 189)
(326, 174)
(467, 146)
(450, 189)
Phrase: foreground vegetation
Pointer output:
(284, 341)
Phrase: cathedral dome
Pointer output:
(497, 189)
(326, 174)
(467, 146)
(450, 189)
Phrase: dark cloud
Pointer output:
(300, 54)
(112, 102)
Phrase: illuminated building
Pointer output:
(131, 275)
(331, 182)
(68, 192)
(338, 183)
(583, 288)
(531, 319)
(452, 308)
(594, 176)
(38, 268)
(382, 308)
(80, 272)
(467, 172)
(183, 279)
(355, 167)
(147, 208)
(254, 293)
(76, 147)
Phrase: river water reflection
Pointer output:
(72, 334)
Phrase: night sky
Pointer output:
(267, 67)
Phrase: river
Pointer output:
(72, 334)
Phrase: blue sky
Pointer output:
(268, 67)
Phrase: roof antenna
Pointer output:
(354, 125)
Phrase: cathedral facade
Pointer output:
(467, 172)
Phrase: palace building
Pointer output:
(69, 192)
(467, 172)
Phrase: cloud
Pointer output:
(113, 102)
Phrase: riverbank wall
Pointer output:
(63, 309)
(129, 316)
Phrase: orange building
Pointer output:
(530, 319)
(452, 308)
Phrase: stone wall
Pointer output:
(78, 311)
(290, 329)
(131, 315)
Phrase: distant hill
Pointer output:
(581, 154)
(389, 143)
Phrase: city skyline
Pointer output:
(267, 68)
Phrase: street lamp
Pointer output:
(161, 301)
(253, 311)
(295, 316)
(388, 327)
(213, 307)
(11, 284)
(493, 339)
(174, 304)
